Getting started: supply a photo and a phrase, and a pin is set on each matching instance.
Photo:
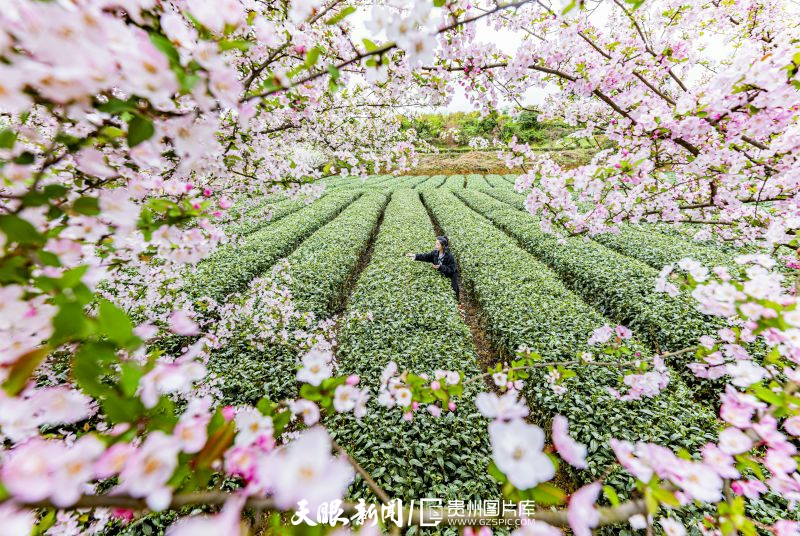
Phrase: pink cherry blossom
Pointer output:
(601, 335)
(672, 527)
(316, 367)
(60, 405)
(573, 452)
(698, 481)
(734, 441)
(74, 469)
(180, 322)
(506, 407)
(623, 332)
(533, 527)
(148, 469)
(16, 520)
(253, 427)
(306, 470)
(624, 452)
(306, 408)
(720, 461)
(27, 471)
(113, 460)
(582, 514)
(792, 425)
(785, 527)
(191, 433)
(168, 378)
(751, 489)
(517, 452)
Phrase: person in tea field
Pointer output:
(442, 261)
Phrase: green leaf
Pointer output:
(650, 500)
(767, 395)
(334, 72)
(238, 44)
(22, 369)
(312, 56)
(45, 523)
(87, 369)
(548, 494)
(140, 129)
(69, 322)
(310, 392)
(25, 158)
(370, 46)
(186, 79)
(112, 132)
(280, 421)
(569, 7)
(114, 323)
(349, 10)
(117, 106)
(120, 409)
(19, 230)
(7, 138)
(496, 473)
(130, 374)
(89, 206)
(264, 405)
(165, 46)
(611, 495)
(666, 497)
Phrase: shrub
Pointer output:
(416, 324)
(476, 181)
(359, 182)
(496, 181)
(230, 268)
(454, 182)
(435, 181)
(256, 218)
(525, 304)
(621, 287)
(508, 196)
(658, 250)
(324, 262)
(643, 242)
(320, 270)
(410, 181)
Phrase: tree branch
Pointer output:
(385, 48)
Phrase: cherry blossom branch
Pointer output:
(647, 46)
(382, 49)
(580, 362)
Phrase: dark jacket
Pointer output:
(447, 265)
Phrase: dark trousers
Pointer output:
(454, 283)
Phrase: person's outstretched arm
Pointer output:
(424, 257)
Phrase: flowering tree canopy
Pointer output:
(138, 136)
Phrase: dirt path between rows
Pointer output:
(344, 297)
(487, 353)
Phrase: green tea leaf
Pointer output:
(140, 129)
